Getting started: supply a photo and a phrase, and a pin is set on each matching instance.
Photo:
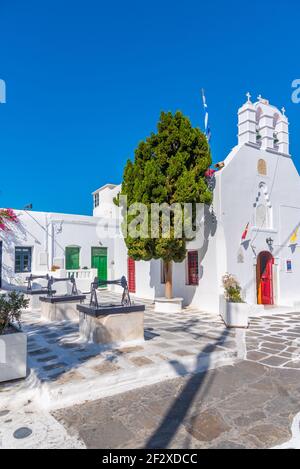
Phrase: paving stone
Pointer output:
(228, 445)
(182, 353)
(270, 434)
(101, 434)
(246, 420)
(162, 357)
(40, 351)
(106, 367)
(141, 361)
(47, 358)
(69, 376)
(285, 354)
(85, 358)
(136, 348)
(256, 356)
(293, 350)
(269, 351)
(54, 366)
(292, 364)
(162, 345)
(272, 346)
(207, 426)
(274, 361)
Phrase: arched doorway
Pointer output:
(264, 278)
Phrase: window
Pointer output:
(192, 268)
(96, 200)
(22, 260)
(289, 267)
(131, 274)
(262, 167)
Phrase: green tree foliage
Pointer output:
(169, 167)
(10, 309)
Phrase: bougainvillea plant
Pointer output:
(7, 215)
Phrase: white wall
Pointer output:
(48, 234)
(240, 184)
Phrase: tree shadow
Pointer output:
(176, 414)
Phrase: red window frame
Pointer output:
(192, 268)
(131, 274)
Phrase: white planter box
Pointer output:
(13, 356)
(234, 314)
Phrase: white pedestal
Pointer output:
(166, 305)
(112, 329)
(65, 311)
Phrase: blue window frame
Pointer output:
(289, 266)
(22, 260)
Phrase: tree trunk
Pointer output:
(168, 280)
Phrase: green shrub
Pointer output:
(232, 289)
(10, 309)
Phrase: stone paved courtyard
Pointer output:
(64, 371)
(243, 406)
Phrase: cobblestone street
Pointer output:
(243, 406)
(215, 386)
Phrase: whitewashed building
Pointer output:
(41, 242)
(252, 232)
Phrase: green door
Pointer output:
(72, 258)
(99, 262)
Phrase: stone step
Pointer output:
(55, 396)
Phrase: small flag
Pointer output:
(294, 237)
(206, 123)
(245, 233)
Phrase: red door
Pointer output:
(265, 278)
(131, 274)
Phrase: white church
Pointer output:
(251, 231)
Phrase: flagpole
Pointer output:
(206, 124)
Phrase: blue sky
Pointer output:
(86, 81)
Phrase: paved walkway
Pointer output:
(65, 371)
(275, 340)
(243, 406)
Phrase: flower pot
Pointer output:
(235, 314)
(13, 355)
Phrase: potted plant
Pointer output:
(13, 342)
(234, 311)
